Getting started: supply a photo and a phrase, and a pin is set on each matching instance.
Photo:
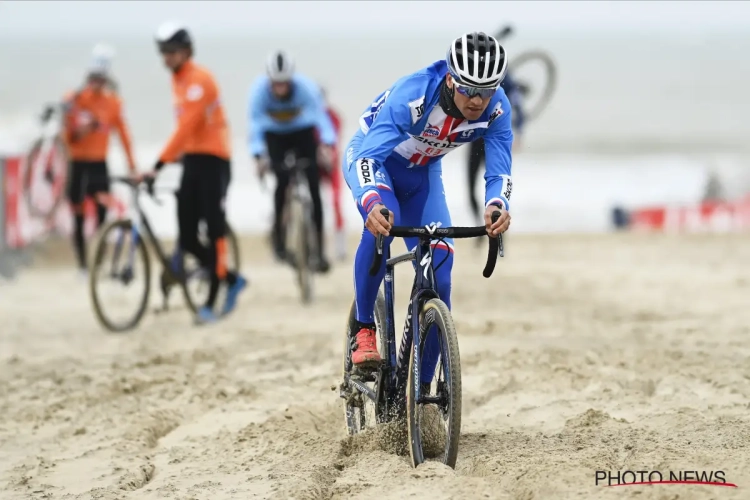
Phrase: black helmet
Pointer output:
(478, 60)
(173, 36)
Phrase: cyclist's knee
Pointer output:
(442, 261)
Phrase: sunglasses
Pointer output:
(167, 48)
(469, 91)
(97, 78)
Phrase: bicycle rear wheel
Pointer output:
(434, 422)
(533, 108)
(359, 411)
(198, 279)
(129, 260)
(44, 179)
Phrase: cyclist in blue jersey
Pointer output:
(285, 109)
(394, 161)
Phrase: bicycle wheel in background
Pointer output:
(45, 178)
(536, 96)
(434, 422)
(300, 226)
(198, 279)
(120, 258)
(359, 410)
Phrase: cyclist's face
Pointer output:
(471, 107)
(174, 58)
(97, 82)
(280, 89)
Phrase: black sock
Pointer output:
(79, 244)
(231, 278)
(213, 291)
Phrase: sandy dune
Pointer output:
(581, 353)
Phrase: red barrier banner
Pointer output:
(13, 229)
(714, 216)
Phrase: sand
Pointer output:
(582, 353)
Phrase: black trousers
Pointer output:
(305, 146)
(87, 178)
(202, 196)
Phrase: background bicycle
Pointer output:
(301, 239)
(520, 77)
(535, 74)
(46, 165)
(129, 260)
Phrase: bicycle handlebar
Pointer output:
(135, 184)
(496, 244)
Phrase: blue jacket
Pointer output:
(405, 127)
(306, 108)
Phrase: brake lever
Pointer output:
(151, 192)
(500, 249)
(379, 247)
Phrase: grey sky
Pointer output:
(55, 18)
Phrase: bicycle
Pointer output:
(300, 227)
(175, 272)
(396, 390)
(46, 165)
(532, 112)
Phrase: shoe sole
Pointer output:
(368, 365)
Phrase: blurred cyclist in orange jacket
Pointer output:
(91, 114)
(201, 142)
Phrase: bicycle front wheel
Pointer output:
(434, 421)
(120, 258)
(300, 226)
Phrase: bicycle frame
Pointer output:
(394, 375)
(298, 187)
(139, 218)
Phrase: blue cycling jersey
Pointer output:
(304, 108)
(406, 128)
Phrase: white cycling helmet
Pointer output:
(478, 60)
(280, 66)
(173, 35)
(101, 60)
